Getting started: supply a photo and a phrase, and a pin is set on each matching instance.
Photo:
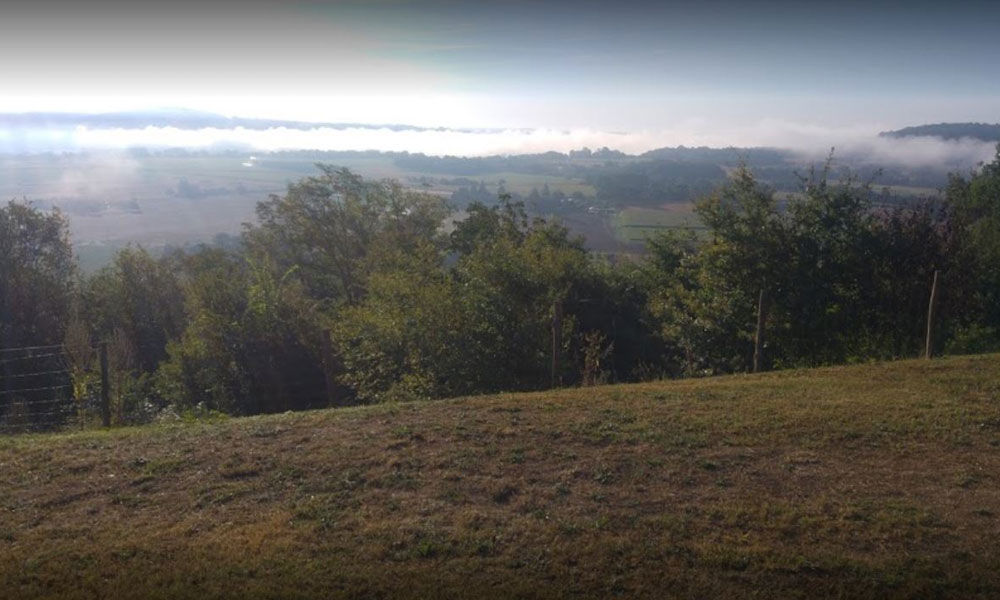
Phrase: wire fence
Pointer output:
(59, 388)
(45, 388)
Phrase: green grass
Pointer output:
(636, 224)
(523, 183)
(870, 481)
(897, 192)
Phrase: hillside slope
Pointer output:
(950, 131)
(866, 481)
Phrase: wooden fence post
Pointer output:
(326, 349)
(557, 314)
(105, 391)
(931, 316)
(758, 345)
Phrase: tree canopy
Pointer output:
(366, 291)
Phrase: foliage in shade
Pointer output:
(418, 307)
(36, 276)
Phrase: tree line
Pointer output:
(349, 290)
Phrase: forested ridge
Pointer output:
(346, 290)
(950, 131)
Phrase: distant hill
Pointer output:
(949, 131)
(730, 155)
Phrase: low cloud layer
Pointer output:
(860, 144)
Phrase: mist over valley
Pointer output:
(183, 176)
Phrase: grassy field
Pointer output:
(872, 481)
(636, 224)
(898, 192)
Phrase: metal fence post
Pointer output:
(758, 346)
(557, 316)
(329, 377)
(931, 315)
(105, 391)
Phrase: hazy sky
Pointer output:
(714, 67)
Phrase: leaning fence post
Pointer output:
(326, 350)
(557, 315)
(931, 315)
(758, 345)
(105, 391)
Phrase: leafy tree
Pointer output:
(747, 251)
(408, 337)
(684, 311)
(427, 330)
(975, 205)
(512, 277)
(609, 301)
(327, 225)
(843, 280)
(908, 244)
(140, 298)
(252, 342)
(486, 224)
(36, 284)
(827, 269)
(37, 272)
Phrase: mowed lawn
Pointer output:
(871, 481)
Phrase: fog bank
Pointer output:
(812, 142)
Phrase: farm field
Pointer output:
(871, 481)
(907, 192)
(635, 224)
(112, 199)
(116, 198)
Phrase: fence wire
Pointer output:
(37, 391)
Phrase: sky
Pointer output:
(714, 72)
